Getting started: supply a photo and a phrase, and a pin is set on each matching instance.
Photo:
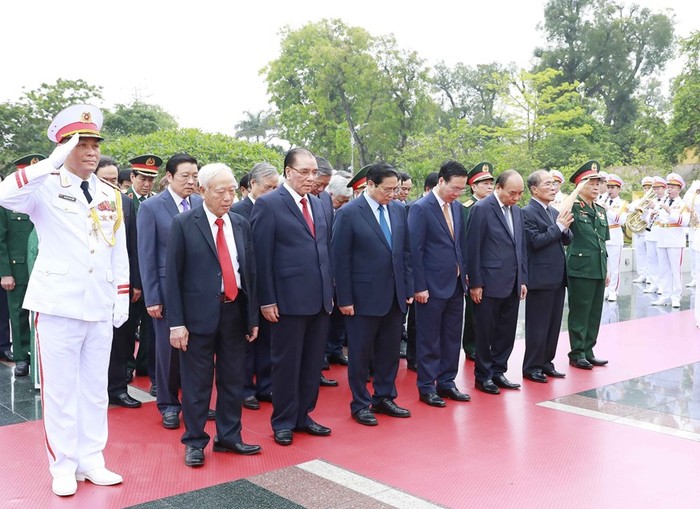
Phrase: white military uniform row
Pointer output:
(669, 246)
(79, 288)
(650, 240)
(617, 210)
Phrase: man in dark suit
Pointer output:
(153, 226)
(497, 269)
(373, 279)
(438, 254)
(292, 233)
(257, 384)
(123, 337)
(547, 232)
(212, 312)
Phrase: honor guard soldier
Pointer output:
(79, 287)
(653, 233)
(586, 265)
(691, 198)
(673, 216)
(480, 181)
(639, 239)
(15, 228)
(558, 181)
(616, 210)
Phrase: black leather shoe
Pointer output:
(284, 437)
(389, 407)
(22, 368)
(325, 382)
(6, 355)
(315, 429)
(432, 399)
(502, 382)
(597, 362)
(341, 359)
(581, 363)
(194, 456)
(124, 400)
(553, 373)
(264, 397)
(239, 448)
(536, 376)
(487, 386)
(153, 390)
(411, 366)
(171, 420)
(251, 403)
(454, 393)
(211, 415)
(129, 376)
(365, 416)
(470, 356)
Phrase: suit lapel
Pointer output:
(368, 215)
(169, 203)
(238, 239)
(501, 216)
(435, 207)
(200, 219)
(289, 201)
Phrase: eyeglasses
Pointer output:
(547, 184)
(456, 189)
(305, 173)
(389, 190)
(186, 177)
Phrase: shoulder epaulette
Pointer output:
(114, 186)
(468, 203)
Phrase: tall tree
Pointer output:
(137, 118)
(683, 137)
(260, 127)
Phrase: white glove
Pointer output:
(60, 153)
(119, 320)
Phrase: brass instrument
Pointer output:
(689, 199)
(635, 221)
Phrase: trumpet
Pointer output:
(635, 221)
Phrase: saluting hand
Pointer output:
(60, 153)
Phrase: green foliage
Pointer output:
(137, 118)
(684, 127)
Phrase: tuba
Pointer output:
(635, 221)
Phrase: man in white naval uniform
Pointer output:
(673, 216)
(79, 289)
(639, 240)
(651, 238)
(616, 210)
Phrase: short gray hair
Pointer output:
(209, 171)
(338, 186)
(262, 171)
(535, 178)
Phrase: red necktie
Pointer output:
(230, 286)
(307, 216)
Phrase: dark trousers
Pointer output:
(19, 319)
(376, 339)
(411, 335)
(439, 334)
(4, 322)
(145, 360)
(585, 310)
(167, 368)
(122, 351)
(543, 312)
(227, 344)
(297, 343)
(258, 365)
(336, 334)
(495, 322)
(469, 335)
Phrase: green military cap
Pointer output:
(28, 160)
(359, 180)
(589, 170)
(482, 171)
(146, 165)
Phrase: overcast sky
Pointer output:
(200, 60)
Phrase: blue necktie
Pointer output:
(384, 225)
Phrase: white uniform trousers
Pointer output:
(640, 253)
(74, 357)
(614, 261)
(670, 276)
(652, 263)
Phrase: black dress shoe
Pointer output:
(325, 382)
(454, 393)
(432, 399)
(365, 416)
(487, 386)
(171, 420)
(502, 382)
(536, 376)
(211, 415)
(389, 407)
(341, 359)
(471, 356)
(129, 376)
(264, 397)
(239, 448)
(411, 366)
(124, 400)
(22, 368)
(153, 391)
(194, 456)
(581, 363)
(6, 355)
(284, 437)
(597, 362)
(251, 403)
(315, 429)
(553, 373)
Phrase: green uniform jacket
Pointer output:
(135, 198)
(586, 256)
(15, 228)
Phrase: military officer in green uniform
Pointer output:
(586, 265)
(480, 181)
(15, 228)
